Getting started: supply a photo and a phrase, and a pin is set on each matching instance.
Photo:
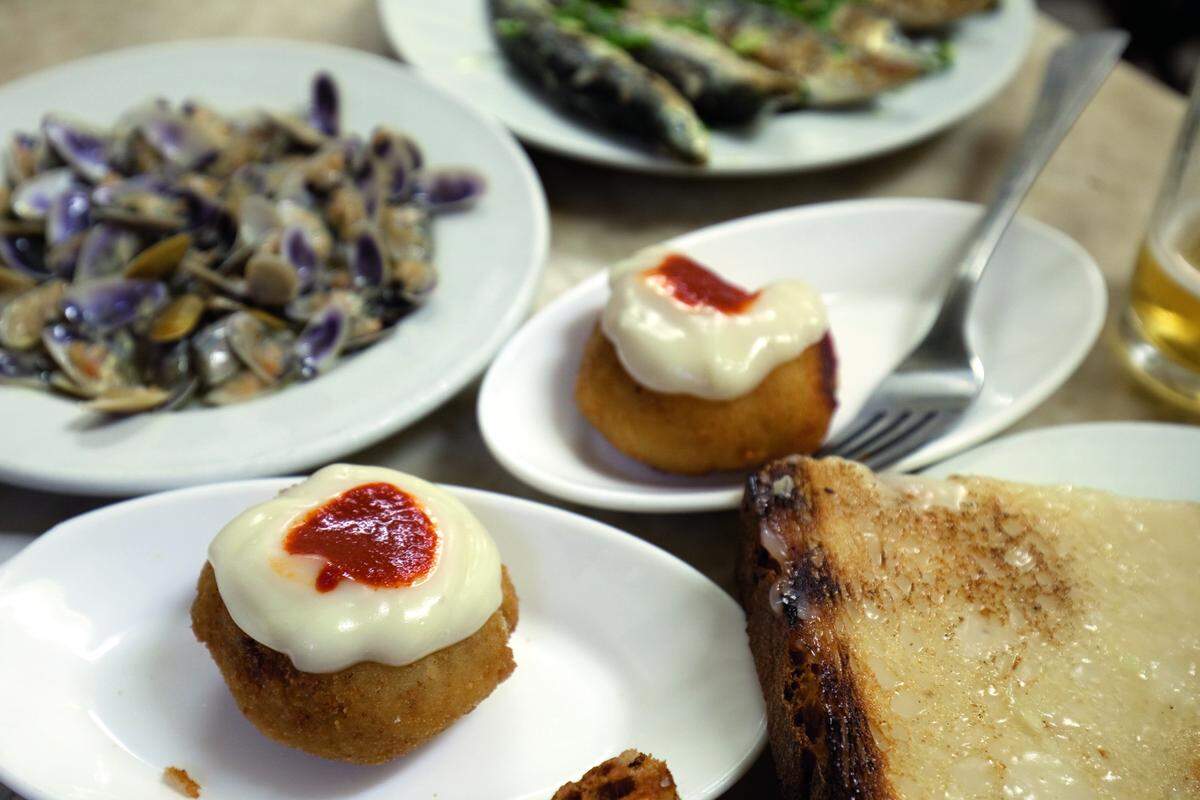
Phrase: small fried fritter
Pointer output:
(789, 412)
(367, 713)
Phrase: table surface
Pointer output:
(1098, 188)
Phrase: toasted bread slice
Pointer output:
(629, 776)
(971, 638)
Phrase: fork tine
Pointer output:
(883, 432)
(904, 442)
(864, 424)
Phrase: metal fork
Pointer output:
(938, 380)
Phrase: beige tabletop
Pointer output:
(1098, 189)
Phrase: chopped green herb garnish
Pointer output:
(600, 19)
(944, 54)
(510, 27)
(815, 12)
(748, 42)
(696, 21)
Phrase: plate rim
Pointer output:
(456, 376)
(1026, 12)
(950, 466)
(719, 499)
(611, 535)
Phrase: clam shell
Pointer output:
(105, 251)
(122, 400)
(13, 281)
(158, 261)
(20, 158)
(257, 218)
(92, 367)
(81, 146)
(295, 215)
(449, 189)
(24, 316)
(241, 387)
(298, 131)
(323, 112)
(68, 216)
(177, 139)
(176, 319)
(29, 369)
(367, 261)
(32, 198)
(213, 358)
(264, 352)
(321, 341)
(271, 281)
(24, 254)
(107, 305)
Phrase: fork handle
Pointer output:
(1075, 73)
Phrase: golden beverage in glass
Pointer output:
(1159, 332)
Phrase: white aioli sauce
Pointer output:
(271, 593)
(675, 348)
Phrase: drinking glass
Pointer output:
(1159, 330)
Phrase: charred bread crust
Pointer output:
(818, 717)
(628, 776)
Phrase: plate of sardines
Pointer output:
(223, 259)
(728, 87)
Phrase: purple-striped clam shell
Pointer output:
(321, 341)
(177, 139)
(449, 189)
(367, 262)
(25, 254)
(83, 148)
(298, 251)
(323, 113)
(105, 251)
(104, 306)
(33, 198)
(68, 215)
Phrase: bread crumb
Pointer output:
(629, 776)
(179, 780)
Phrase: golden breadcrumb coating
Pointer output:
(179, 780)
(789, 412)
(367, 713)
(629, 776)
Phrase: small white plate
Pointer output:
(879, 265)
(489, 260)
(1139, 459)
(450, 41)
(619, 645)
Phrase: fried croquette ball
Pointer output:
(789, 412)
(367, 713)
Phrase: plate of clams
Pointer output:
(226, 259)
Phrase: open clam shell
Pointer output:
(23, 317)
(450, 189)
(84, 148)
(104, 306)
(104, 252)
(33, 197)
(324, 108)
(321, 341)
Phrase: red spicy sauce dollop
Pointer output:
(374, 534)
(694, 285)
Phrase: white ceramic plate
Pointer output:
(619, 645)
(489, 260)
(879, 265)
(1139, 459)
(451, 42)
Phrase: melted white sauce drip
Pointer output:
(674, 348)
